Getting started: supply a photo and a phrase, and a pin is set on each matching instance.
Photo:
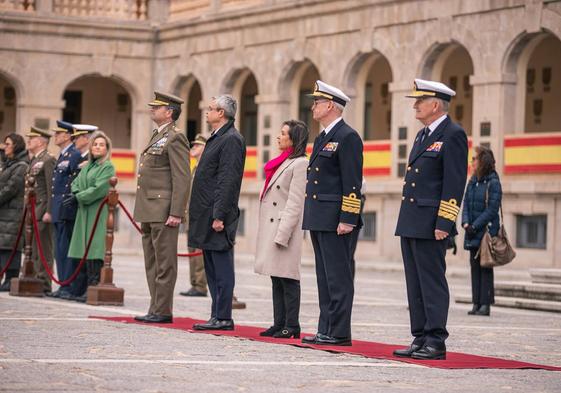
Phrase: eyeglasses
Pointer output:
(316, 102)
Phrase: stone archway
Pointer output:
(103, 102)
(8, 107)
(243, 86)
(533, 63)
(367, 80)
(452, 64)
(191, 120)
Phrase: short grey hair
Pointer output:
(444, 105)
(340, 107)
(43, 139)
(227, 103)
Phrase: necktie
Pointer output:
(321, 136)
(424, 134)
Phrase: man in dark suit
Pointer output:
(64, 214)
(332, 213)
(213, 210)
(432, 193)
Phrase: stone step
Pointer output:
(546, 276)
(513, 302)
(528, 290)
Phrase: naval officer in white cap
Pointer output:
(432, 194)
(332, 213)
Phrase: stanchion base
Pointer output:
(102, 295)
(28, 287)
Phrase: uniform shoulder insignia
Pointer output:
(449, 209)
(351, 203)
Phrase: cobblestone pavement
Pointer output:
(52, 346)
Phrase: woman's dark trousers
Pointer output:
(482, 283)
(286, 302)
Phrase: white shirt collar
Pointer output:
(66, 149)
(436, 123)
(330, 126)
(160, 128)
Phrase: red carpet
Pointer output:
(367, 349)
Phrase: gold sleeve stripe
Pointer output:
(448, 216)
(448, 210)
(452, 203)
(352, 203)
(355, 210)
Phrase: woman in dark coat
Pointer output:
(13, 166)
(481, 212)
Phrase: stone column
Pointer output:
(492, 107)
(158, 11)
(44, 6)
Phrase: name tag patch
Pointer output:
(331, 146)
(436, 146)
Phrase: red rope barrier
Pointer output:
(129, 215)
(15, 249)
(82, 261)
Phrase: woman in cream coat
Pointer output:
(280, 234)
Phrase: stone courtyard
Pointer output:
(53, 346)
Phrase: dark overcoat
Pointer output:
(12, 188)
(481, 208)
(216, 190)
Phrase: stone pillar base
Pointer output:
(28, 287)
(105, 295)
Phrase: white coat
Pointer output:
(280, 234)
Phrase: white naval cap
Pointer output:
(83, 129)
(424, 88)
(323, 90)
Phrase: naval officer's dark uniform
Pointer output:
(432, 193)
(63, 216)
(333, 196)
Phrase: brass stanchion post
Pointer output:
(27, 284)
(106, 293)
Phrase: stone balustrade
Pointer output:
(17, 5)
(115, 9)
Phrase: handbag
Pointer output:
(495, 250)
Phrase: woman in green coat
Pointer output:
(89, 189)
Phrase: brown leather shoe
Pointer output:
(237, 305)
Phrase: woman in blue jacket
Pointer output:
(481, 212)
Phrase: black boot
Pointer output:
(5, 287)
(485, 310)
(474, 309)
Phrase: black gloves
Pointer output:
(470, 230)
(69, 201)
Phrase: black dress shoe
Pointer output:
(271, 331)
(66, 296)
(215, 324)
(309, 339)
(287, 332)
(429, 353)
(141, 318)
(158, 319)
(329, 340)
(406, 352)
(484, 310)
(474, 309)
(193, 292)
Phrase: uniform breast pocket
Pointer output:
(431, 154)
(326, 154)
